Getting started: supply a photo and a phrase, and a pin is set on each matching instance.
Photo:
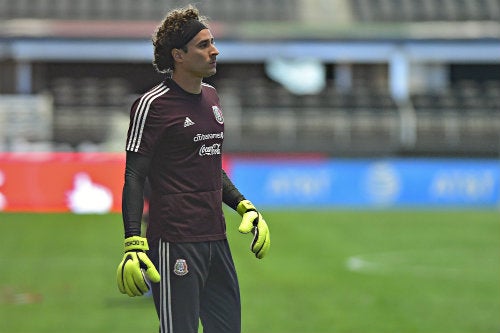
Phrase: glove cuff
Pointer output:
(136, 243)
(245, 206)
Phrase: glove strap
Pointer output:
(136, 243)
(245, 206)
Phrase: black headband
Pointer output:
(190, 29)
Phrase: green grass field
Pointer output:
(328, 271)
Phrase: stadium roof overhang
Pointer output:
(25, 40)
(360, 51)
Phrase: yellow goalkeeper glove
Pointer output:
(130, 273)
(253, 221)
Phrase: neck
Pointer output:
(190, 84)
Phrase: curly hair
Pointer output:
(168, 34)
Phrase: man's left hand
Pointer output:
(253, 221)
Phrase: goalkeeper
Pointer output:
(175, 140)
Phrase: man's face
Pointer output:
(200, 59)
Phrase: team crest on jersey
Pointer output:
(180, 267)
(218, 114)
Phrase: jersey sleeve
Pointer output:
(231, 196)
(136, 170)
(145, 125)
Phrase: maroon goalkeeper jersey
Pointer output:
(183, 135)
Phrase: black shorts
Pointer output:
(198, 281)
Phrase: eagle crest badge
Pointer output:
(218, 114)
(180, 267)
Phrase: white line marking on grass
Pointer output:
(432, 263)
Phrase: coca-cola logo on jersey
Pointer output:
(210, 150)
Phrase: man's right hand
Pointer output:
(130, 273)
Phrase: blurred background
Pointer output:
(368, 131)
(344, 78)
(313, 79)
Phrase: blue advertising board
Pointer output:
(375, 183)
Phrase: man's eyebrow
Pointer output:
(211, 40)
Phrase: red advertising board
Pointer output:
(62, 182)
(58, 182)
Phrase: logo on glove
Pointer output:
(134, 242)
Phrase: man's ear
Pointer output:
(177, 54)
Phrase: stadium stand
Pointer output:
(355, 116)
(225, 10)
(425, 10)
(466, 115)
(25, 118)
